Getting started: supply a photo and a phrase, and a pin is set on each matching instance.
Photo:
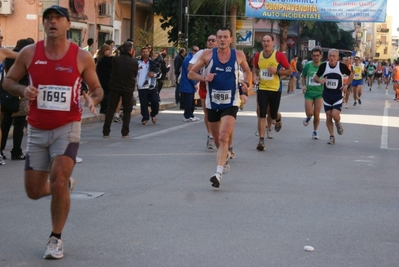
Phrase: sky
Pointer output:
(392, 6)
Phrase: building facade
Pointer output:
(377, 39)
(100, 20)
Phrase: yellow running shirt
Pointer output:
(268, 81)
(357, 72)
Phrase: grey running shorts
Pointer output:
(44, 145)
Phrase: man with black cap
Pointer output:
(122, 84)
(54, 116)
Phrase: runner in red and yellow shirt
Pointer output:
(269, 65)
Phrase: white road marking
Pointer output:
(384, 121)
(384, 134)
(171, 129)
(371, 120)
(158, 154)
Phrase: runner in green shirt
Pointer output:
(313, 92)
(370, 70)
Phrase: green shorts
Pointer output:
(313, 95)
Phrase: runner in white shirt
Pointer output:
(211, 43)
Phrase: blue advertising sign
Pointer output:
(244, 33)
(318, 10)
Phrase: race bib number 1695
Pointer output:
(54, 97)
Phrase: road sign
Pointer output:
(311, 44)
(244, 33)
(318, 10)
(291, 41)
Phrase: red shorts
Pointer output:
(202, 90)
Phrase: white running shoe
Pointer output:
(78, 160)
(195, 118)
(55, 249)
(232, 154)
(226, 167)
(261, 145)
(215, 179)
(306, 121)
(71, 184)
(278, 125)
(331, 141)
(315, 136)
(117, 119)
(210, 143)
(269, 134)
(340, 129)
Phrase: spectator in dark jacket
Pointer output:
(177, 64)
(188, 88)
(299, 68)
(122, 84)
(164, 69)
(103, 69)
(9, 119)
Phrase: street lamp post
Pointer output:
(187, 20)
(224, 14)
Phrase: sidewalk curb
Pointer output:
(90, 118)
(135, 111)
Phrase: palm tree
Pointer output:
(284, 24)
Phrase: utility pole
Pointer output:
(297, 39)
(132, 17)
(180, 23)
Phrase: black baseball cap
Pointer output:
(59, 9)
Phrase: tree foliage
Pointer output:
(206, 20)
(206, 17)
(346, 41)
(169, 10)
(144, 35)
(328, 34)
(325, 33)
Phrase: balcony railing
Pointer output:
(378, 43)
(384, 30)
(140, 3)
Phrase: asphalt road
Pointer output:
(147, 201)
